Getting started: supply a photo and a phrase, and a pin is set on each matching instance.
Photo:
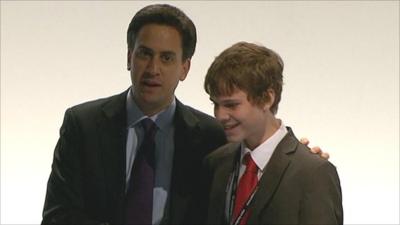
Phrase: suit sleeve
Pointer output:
(64, 203)
(322, 203)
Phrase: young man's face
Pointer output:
(241, 119)
(156, 67)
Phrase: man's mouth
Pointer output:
(151, 83)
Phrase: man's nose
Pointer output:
(153, 67)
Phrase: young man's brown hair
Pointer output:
(249, 67)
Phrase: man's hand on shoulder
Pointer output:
(315, 149)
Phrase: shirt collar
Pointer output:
(162, 119)
(262, 154)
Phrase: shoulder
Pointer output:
(300, 155)
(308, 159)
(191, 114)
(192, 117)
(88, 113)
(306, 169)
(95, 106)
(316, 174)
(302, 159)
(200, 125)
(222, 154)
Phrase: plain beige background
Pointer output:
(341, 84)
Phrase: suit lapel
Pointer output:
(112, 136)
(272, 176)
(185, 138)
(220, 184)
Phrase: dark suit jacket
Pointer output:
(87, 181)
(297, 187)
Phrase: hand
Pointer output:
(316, 149)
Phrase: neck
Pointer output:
(151, 109)
(271, 126)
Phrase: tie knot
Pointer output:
(251, 166)
(149, 127)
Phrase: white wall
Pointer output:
(341, 84)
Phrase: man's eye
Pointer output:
(142, 54)
(167, 58)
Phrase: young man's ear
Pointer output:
(271, 99)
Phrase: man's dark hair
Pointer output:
(164, 14)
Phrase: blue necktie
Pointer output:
(139, 199)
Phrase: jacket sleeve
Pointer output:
(322, 203)
(64, 203)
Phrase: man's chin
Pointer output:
(149, 98)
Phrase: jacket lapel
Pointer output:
(112, 136)
(272, 176)
(185, 137)
(220, 185)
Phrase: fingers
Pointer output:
(304, 141)
(324, 155)
(316, 150)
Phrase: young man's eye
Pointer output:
(231, 105)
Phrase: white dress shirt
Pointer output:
(260, 155)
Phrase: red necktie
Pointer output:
(247, 184)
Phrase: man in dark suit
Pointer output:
(264, 175)
(99, 140)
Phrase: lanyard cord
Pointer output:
(234, 182)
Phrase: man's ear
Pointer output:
(129, 55)
(185, 69)
(271, 99)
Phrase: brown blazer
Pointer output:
(297, 187)
(87, 181)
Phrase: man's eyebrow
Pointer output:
(142, 47)
(147, 49)
(168, 53)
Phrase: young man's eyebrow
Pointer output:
(225, 101)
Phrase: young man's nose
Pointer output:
(220, 114)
